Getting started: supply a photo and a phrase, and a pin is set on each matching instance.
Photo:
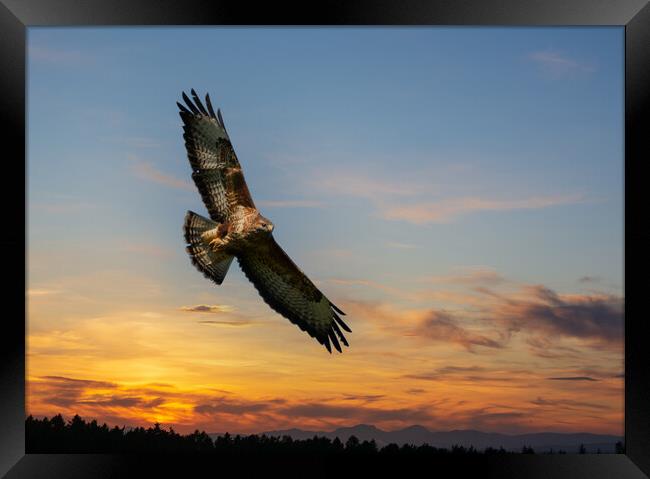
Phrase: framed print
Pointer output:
(366, 237)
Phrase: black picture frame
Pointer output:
(17, 15)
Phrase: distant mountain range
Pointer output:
(417, 435)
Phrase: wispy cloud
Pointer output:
(494, 310)
(292, 204)
(396, 245)
(573, 378)
(242, 322)
(146, 171)
(136, 141)
(557, 64)
(409, 199)
(541, 311)
(222, 406)
(448, 373)
(34, 292)
(416, 391)
(145, 248)
(446, 210)
(142, 142)
(62, 207)
(391, 290)
(468, 276)
(338, 253)
(208, 308)
(364, 186)
(45, 54)
(443, 326)
(589, 279)
(568, 403)
(361, 413)
(477, 376)
(363, 397)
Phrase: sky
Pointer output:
(458, 192)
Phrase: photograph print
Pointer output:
(328, 239)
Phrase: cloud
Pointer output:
(409, 199)
(599, 373)
(146, 171)
(443, 326)
(230, 406)
(292, 204)
(473, 375)
(36, 292)
(105, 400)
(66, 392)
(568, 403)
(147, 249)
(416, 391)
(492, 310)
(557, 64)
(364, 414)
(214, 410)
(227, 323)
(596, 318)
(141, 142)
(363, 186)
(446, 210)
(240, 320)
(392, 244)
(338, 253)
(589, 279)
(73, 383)
(137, 142)
(363, 397)
(44, 54)
(460, 369)
(108, 401)
(573, 378)
(470, 276)
(208, 308)
(397, 292)
(545, 318)
(122, 401)
(62, 207)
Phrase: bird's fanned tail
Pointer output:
(213, 265)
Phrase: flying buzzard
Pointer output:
(237, 229)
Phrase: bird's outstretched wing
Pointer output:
(215, 168)
(290, 292)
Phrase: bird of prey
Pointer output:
(236, 229)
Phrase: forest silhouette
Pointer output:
(56, 435)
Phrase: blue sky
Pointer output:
(386, 157)
(498, 113)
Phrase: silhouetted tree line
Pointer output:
(78, 436)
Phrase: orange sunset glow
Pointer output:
(216, 369)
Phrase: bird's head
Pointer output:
(264, 225)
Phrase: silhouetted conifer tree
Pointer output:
(352, 443)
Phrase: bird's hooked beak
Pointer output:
(266, 226)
